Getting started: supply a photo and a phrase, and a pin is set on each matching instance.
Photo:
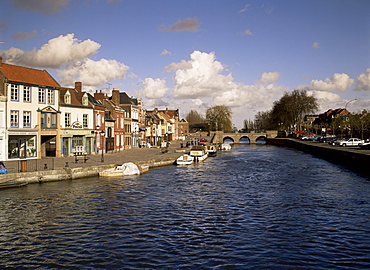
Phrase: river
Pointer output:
(255, 207)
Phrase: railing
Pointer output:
(30, 165)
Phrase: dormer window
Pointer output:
(67, 98)
(85, 100)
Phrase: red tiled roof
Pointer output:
(28, 75)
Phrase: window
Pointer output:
(14, 92)
(85, 100)
(67, 120)
(41, 95)
(26, 94)
(14, 119)
(48, 120)
(85, 120)
(67, 98)
(50, 96)
(26, 119)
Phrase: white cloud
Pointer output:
(92, 73)
(153, 88)
(363, 81)
(188, 24)
(174, 66)
(201, 77)
(269, 77)
(339, 82)
(57, 52)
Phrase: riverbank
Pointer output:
(67, 169)
(353, 158)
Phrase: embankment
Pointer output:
(72, 173)
(352, 158)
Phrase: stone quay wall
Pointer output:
(352, 158)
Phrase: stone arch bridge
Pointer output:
(220, 137)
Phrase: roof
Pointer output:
(28, 75)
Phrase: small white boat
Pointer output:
(184, 160)
(212, 150)
(199, 153)
(128, 168)
(225, 147)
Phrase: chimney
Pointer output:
(116, 96)
(1, 61)
(78, 86)
(99, 96)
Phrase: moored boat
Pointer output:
(185, 160)
(128, 168)
(212, 150)
(225, 147)
(199, 153)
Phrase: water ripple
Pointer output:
(257, 207)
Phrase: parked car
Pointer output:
(310, 138)
(335, 141)
(351, 142)
(365, 145)
(327, 138)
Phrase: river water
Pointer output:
(256, 207)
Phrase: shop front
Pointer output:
(74, 141)
(22, 145)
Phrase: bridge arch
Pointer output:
(228, 138)
(244, 139)
(220, 137)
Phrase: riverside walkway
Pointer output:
(66, 168)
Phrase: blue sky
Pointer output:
(195, 54)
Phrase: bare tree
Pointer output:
(219, 118)
(288, 112)
(194, 117)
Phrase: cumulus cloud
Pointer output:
(42, 6)
(269, 77)
(57, 52)
(24, 36)
(153, 88)
(339, 82)
(201, 77)
(315, 45)
(91, 72)
(174, 66)
(189, 24)
(71, 58)
(363, 81)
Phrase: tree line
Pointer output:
(287, 114)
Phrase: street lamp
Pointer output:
(102, 133)
(349, 102)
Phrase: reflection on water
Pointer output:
(258, 206)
